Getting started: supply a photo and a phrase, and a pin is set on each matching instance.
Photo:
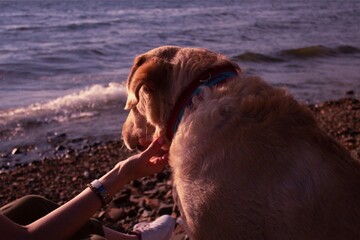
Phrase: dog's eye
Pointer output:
(130, 105)
(134, 108)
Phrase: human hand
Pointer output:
(148, 162)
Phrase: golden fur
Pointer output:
(248, 161)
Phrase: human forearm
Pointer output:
(115, 179)
(73, 215)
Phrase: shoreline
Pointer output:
(63, 177)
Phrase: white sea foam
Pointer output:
(85, 103)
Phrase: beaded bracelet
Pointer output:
(100, 191)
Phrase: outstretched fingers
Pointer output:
(154, 148)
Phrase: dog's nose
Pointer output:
(143, 143)
(140, 147)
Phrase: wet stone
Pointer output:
(60, 148)
(116, 214)
(136, 183)
(122, 199)
(165, 209)
(16, 151)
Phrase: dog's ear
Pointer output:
(149, 74)
(133, 88)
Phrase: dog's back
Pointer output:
(250, 162)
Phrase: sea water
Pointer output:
(63, 64)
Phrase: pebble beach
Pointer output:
(63, 177)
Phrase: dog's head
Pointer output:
(156, 80)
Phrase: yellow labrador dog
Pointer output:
(248, 161)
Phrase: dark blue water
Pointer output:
(63, 63)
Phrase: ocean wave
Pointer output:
(70, 25)
(257, 57)
(83, 104)
(305, 53)
(319, 51)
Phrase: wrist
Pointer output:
(101, 192)
(114, 180)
